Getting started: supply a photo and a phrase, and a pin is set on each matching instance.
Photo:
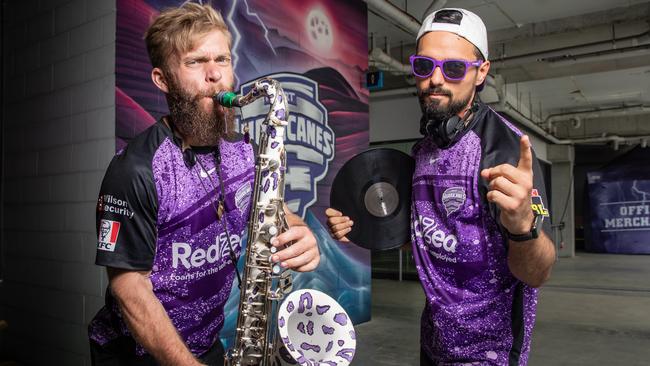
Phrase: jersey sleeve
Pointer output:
(126, 216)
(506, 150)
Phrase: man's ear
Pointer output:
(158, 78)
(482, 72)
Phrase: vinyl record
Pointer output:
(374, 190)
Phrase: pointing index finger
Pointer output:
(525, 154)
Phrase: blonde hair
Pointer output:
(176, 30)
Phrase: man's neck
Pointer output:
(185, 142)
(467, 113)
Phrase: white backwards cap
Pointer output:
(459, 21)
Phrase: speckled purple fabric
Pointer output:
(192, 273)
(461, 259)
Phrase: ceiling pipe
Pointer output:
(597, 55)
(513, 113)
(395, 15)
(383, 58)
(576, 122)
(385, 67)
(619, 140)
(597, 113)
(403, 20)
(590, 49)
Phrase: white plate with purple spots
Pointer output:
(316, 330)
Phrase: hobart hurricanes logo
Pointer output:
(309, 141)
(453, 198)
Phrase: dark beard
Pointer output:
(433, 112)
(192, 122)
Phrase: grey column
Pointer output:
(562, 158)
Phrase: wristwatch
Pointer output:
(532, 234)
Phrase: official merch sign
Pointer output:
(619, 211)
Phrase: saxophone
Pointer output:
(265, 283)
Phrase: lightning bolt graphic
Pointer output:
(237, 35)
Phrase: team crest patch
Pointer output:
(453, 198)
(108, 232)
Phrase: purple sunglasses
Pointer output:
(455, 70)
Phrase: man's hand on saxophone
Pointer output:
(300, 249)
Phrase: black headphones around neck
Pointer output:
(445, 133)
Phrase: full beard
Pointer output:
(434, 112)
(202, 128)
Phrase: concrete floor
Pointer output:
(595, 310)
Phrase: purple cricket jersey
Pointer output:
(157, 214)
(476, 311)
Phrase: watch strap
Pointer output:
(532, 234)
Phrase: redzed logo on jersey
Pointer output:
(108, 232)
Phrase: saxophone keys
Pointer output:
(273, 230)
(273, 164)
(270, 210)
(251, 358)
(251, 281)
(268, 232)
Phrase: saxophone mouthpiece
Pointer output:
(228, 99)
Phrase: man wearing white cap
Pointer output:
(480, 250)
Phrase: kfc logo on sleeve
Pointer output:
(108, 232)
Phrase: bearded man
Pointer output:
(480, 241)
(173, 207)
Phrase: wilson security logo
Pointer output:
(309, 141)
(112, 204)
(108, 233)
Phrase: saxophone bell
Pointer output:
(315, 329)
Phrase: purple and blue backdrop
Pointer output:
(317, 49)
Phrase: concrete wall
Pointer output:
(562, 158)
(394, 118)
(59, 132)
